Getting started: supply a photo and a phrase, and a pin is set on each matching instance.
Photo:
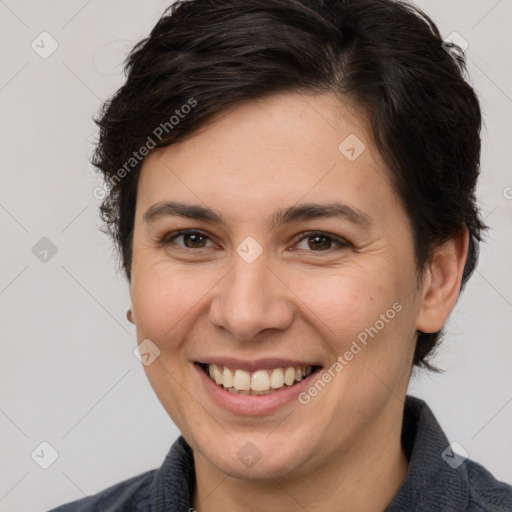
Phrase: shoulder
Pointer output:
(438, 478)
(130, 495)
(170, 487)
(485, 492)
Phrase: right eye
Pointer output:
(191, 239)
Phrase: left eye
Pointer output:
(319, 242)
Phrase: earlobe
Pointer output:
(129, 316)
(442, 282)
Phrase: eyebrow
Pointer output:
(304, 211)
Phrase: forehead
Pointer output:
(277, 150)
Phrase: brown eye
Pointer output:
(194, 240)
(188, 239)
(318, 242)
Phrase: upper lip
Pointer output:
(257, 364)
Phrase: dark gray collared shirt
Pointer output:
(437, 479)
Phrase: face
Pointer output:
(271, 258)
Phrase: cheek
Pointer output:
(365, 316)
(343, 303)
(163, 299)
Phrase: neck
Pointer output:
(364, 478)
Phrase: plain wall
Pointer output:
(68, 374)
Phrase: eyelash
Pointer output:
(342, 243)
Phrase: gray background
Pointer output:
(68, 374)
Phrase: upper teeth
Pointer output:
(260, 380)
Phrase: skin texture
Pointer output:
(341, 450)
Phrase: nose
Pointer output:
(251, 299)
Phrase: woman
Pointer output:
(292, 192)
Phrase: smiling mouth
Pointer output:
(259, 382)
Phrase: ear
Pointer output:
(442, 282)
(130, 316)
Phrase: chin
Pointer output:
(257, 457)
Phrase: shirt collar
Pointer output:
(174, 483)
(431, 482)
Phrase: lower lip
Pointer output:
(252, 405)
